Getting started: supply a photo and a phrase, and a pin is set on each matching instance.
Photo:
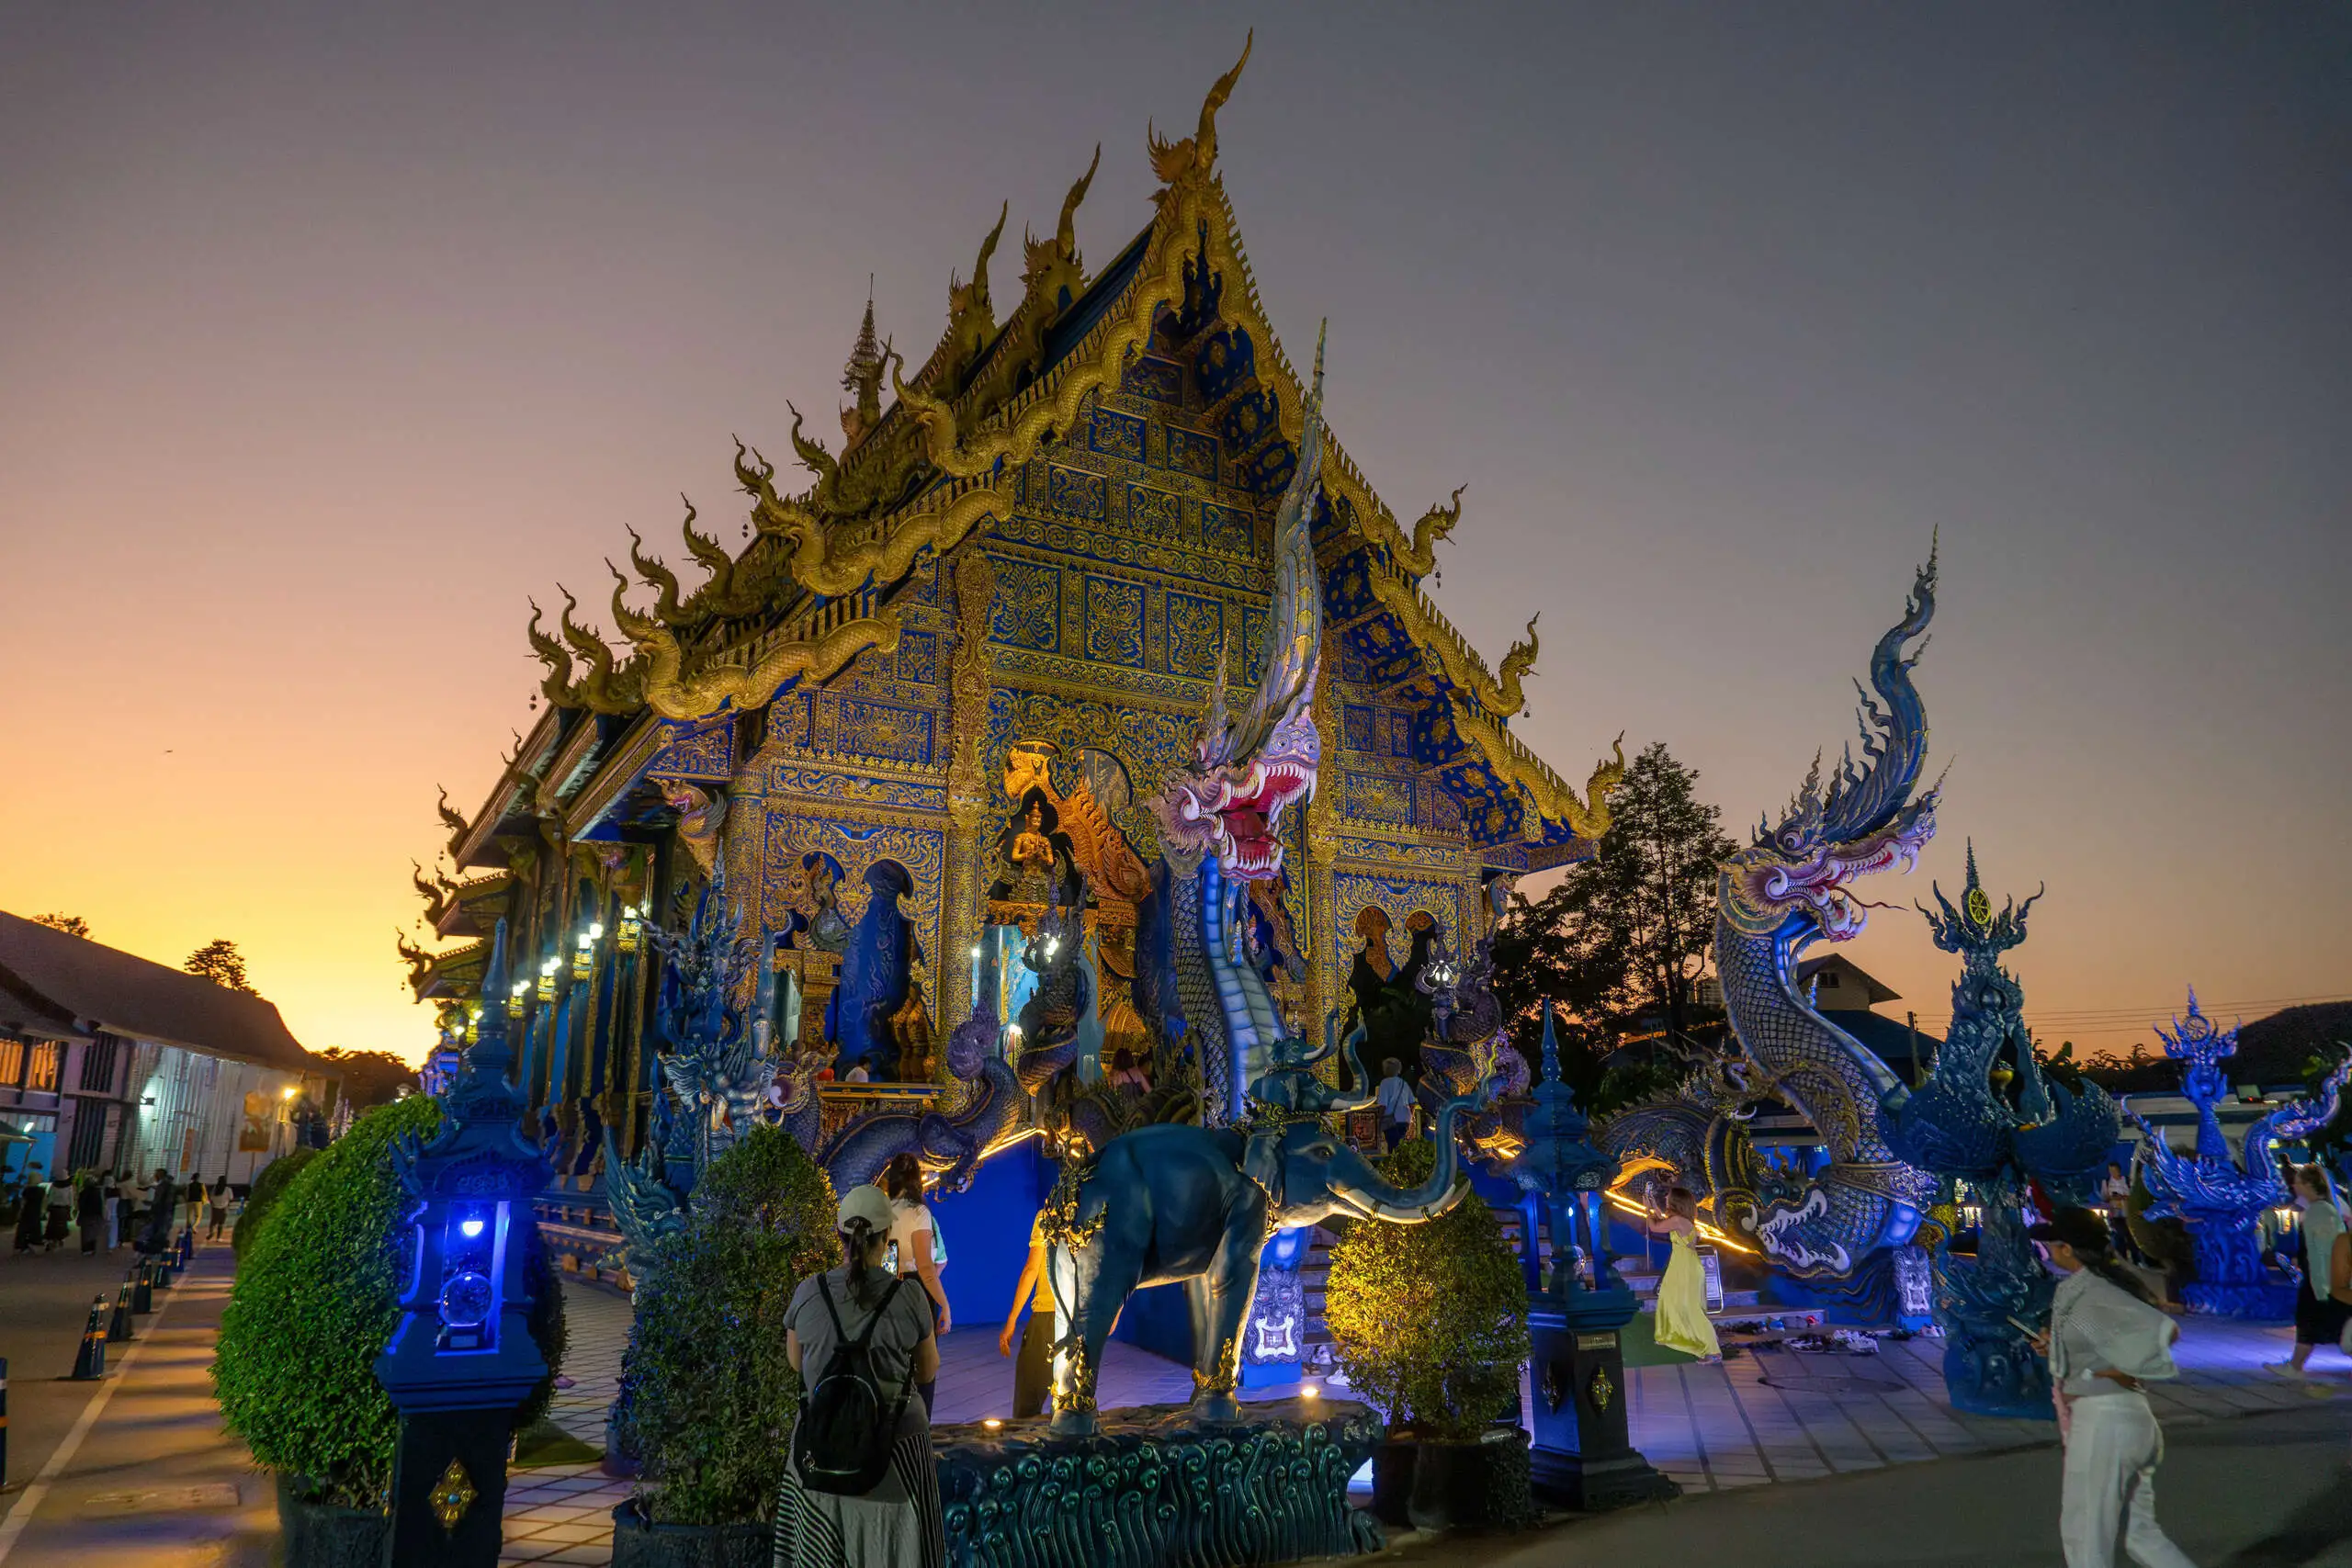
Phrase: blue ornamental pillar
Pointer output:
(1583, 1456)
(462, 1358)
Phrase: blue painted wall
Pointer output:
(1158, 1320)
(986, 1230)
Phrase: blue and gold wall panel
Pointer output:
(698, 749)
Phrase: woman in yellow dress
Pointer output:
(1682, 1323)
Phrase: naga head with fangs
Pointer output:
(1246, 768)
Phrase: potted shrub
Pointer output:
(711, 1393)
(315, 1300)
(263, 1196)
(1430, 1322)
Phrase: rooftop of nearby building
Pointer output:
(56, 985)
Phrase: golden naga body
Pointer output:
(1518, 663)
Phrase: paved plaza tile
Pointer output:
(1712, 1429)
(156, 1480)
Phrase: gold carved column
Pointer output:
(970, 680)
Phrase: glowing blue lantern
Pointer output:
(462, 1358)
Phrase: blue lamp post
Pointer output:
(1583, 1455)
(462, 1358)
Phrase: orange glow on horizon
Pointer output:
(329, 339)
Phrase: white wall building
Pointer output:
(110, 1062)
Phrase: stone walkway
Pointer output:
(1716, 1427)
(1712, 1429)
(147, 1478)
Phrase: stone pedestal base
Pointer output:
(1156, 1486)
(1583, 1456)
(449, 1488)
(1569, 1481)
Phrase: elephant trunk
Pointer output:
(1377, 1200)
(1364, 1096)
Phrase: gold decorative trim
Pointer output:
(674, 696)
(452, 1495)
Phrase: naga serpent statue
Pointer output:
(1220, 814)
(1989, 1116)
(1197, 1203)
(1790, 888)
(2219, 1198)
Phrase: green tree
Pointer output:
(219, 962)
(709, 1392)
(1429, 1320)
(1625, 935)
(72, 925)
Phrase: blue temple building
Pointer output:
(934, 692)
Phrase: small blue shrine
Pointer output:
(2218, 1194)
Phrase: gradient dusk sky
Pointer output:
(328, 333)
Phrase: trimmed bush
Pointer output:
(266, 1189)
(316, 1299)
(711, 1393)
(1430, 1321)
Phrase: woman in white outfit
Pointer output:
(2106, 1340)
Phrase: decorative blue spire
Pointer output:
(483, 1091)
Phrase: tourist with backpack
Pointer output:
(861, 1489)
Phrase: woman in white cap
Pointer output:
(2106, 1341)
(861, 1340)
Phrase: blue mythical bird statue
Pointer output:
(1990, 1117)
(2219, 1198)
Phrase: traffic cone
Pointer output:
(118, 1329)
(143, 1287)
(91, 1364)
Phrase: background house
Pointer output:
(109, 1061)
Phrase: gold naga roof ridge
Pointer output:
(1554, 798)
(944, 515)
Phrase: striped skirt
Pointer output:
(896, 1525)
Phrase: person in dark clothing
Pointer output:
(162, 1203)
(31, 1199)
(90, 1212)
(61, 1214)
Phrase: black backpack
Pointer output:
(841, 1442)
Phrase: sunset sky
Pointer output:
(326, 338)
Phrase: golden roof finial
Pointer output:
(1518, 663)
(1196, 155)
(971, 300)
(1042, 256)
(556, 686)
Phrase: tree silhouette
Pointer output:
(219, 962)
(72, 925)
(1619, 943)
(369, 1077)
